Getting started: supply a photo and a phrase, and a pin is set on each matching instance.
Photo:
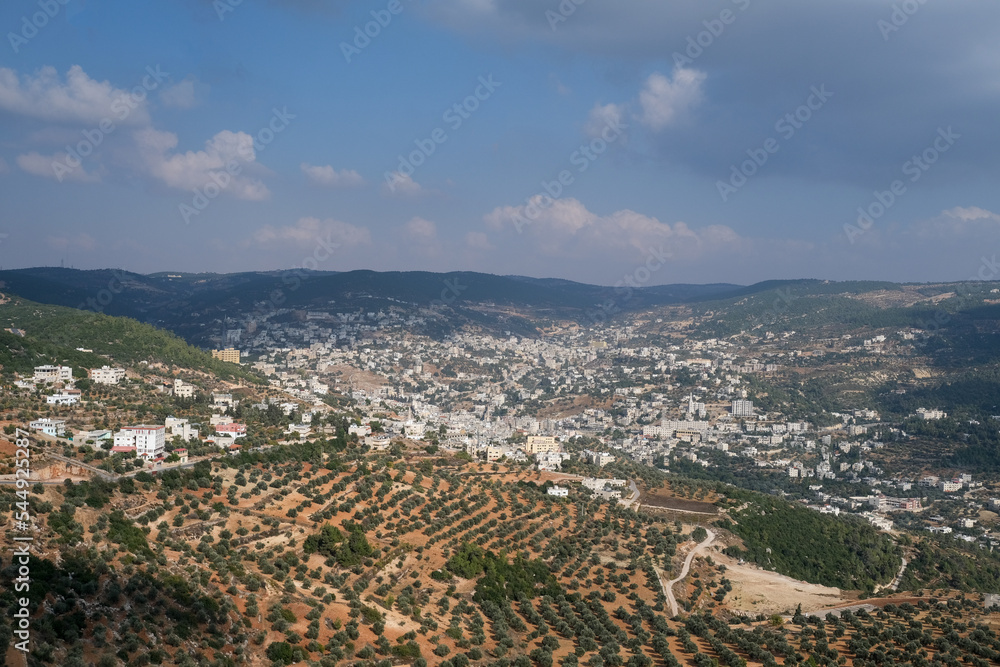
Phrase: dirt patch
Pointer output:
(658, 501)
(764, 592)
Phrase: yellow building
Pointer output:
(539, 444)
(229, 354)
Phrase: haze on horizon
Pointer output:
(723, 141)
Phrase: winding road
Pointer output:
(668, 588)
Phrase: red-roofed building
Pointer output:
(236, 429)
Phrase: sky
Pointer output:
(684, 141)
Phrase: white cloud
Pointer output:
(185, 94)
(663, 100)
(78, 100)
(603, 117)
(56, 167)
(401, 185)
(421, 229)
(564, 227)
(971, 213)
(329, 177)
(196, 169)
(311, 230)
(478, 241)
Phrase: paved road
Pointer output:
(635, 494)
(668, 589)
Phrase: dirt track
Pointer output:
(669, 587)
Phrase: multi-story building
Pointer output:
(146, 440)
(180, 428)
(50, 374)
(107, 375)
(538, 444)
(599, 459)
(229, 354)
(558, 491)
(742, 408)
(183, 389)
(494, 453)
(53, 427)
(223, 400)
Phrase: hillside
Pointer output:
(320, 551)
(197, 306)
(54, 333)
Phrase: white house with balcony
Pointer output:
(50, 374)
(148, 441)
(53, 427)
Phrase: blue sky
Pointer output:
(738, 138)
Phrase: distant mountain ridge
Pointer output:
(178, 300)
(192, 304)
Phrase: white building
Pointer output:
(216, 420)
(742, 408)
(53, 427)
(599, 459)
(180, 428)
(558, 491)
(147, 440)
(50, 374)
(378, 442)
(223, 400)
(81, 438)
(552, 460)
(361, 430)
(183, 389)
(107, 375)
(63, 399)
(924, 413)
(597, 484)
(949, 487)
(880, 522)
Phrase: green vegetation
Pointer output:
(949, 563)
(468, 562)
(503, 581)
(126, 533)
(330, 542)
(127, 341)
(21, 355)
(805, 544)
